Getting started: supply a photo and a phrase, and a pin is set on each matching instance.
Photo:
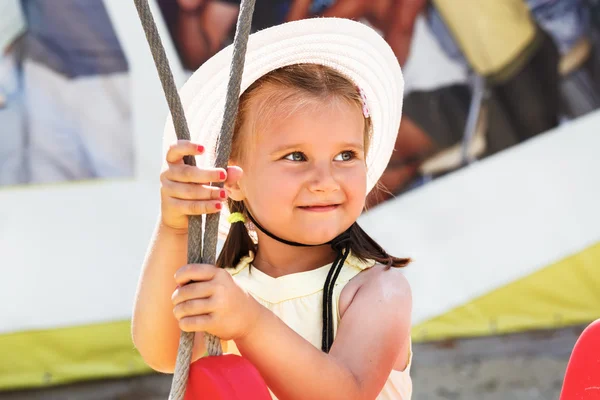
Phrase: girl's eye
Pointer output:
(345, 156)
(295, 156)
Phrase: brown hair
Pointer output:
(318, 82)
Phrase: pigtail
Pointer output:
(238, 243)
(365, 247)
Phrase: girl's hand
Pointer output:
(185, 189)
(209, 300)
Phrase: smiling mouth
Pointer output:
(320, 208)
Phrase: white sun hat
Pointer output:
(351, 48)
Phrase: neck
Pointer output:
(278, 259)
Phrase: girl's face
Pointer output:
(304, 171)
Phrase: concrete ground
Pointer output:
(526, 366)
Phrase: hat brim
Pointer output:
(350, 47)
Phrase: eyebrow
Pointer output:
(350, 145)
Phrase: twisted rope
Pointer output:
(195, 253)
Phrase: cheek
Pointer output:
(268, 189)
(356, 188)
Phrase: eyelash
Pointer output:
(352, 153)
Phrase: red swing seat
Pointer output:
(582, 378)
(226, 377)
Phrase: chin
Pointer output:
(318, 235)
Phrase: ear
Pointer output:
(232, 183)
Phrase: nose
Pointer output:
(323, 178)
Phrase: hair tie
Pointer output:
(363, 97)
(236, 217)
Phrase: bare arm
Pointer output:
(201, 35)
(300, 9)
(401, 26)
(155, 329)
(373, 335)
(351, 9)
(183, 192)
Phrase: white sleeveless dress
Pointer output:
(294, 299)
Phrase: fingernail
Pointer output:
(218, 206)
(222, 194)
(200, 149)
(222, 175)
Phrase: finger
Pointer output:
(195, 207)
(196, 323)
(193, 290)
(195, 272)
(234, 174)
(181, 149)
(192, 308)
(192, 191)
(190, 174)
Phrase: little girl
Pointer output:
(299, 289)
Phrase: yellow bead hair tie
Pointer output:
(236, 217)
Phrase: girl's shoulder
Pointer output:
(377, 281)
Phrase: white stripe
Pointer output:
(498, 220)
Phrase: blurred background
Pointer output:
(492, 188)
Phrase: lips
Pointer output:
(320, 207)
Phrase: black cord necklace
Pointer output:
(341, 245)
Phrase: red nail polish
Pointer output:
(222, 175)
(200, 149)
(218, 206)
(222, 194)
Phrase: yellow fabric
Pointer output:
(562, 294)
(236, 217)
(297, 300)
(64, 355)
(490, 33)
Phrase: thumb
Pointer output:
(234, 174)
